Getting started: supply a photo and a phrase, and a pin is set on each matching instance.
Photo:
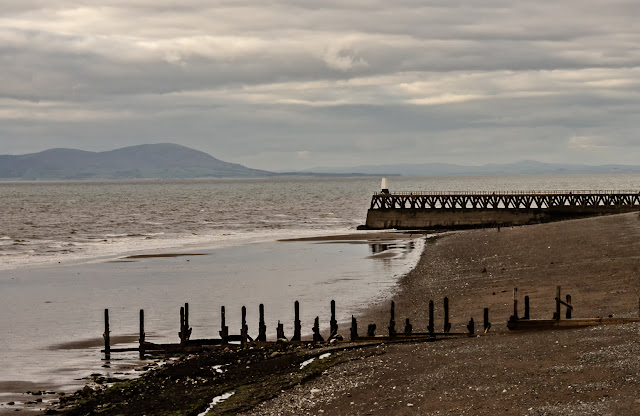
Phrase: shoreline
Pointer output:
(586, 371)
(135, 270)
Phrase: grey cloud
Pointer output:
(340, 82)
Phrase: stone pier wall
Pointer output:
(408, 218)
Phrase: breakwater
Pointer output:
(435, 210)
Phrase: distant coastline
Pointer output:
(172, 161)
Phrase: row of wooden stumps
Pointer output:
(525, 323)
(408, 327)
(243, 338)
(556, 314)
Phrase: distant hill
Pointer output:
(525, 167)
(163, 160)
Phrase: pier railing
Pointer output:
(504, 200)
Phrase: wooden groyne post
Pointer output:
(262, 327)
(280, 332)
(408, 328)
(106, 336)
(244, 332)
(185, 331)
(181, 332)
(316, 330)
(471, 327)
(142, 334)
(354, 328)
(559, 302)
(526, 307)
(447, 324)
(392, 320)
(431, 328)
(486, 324)
(224, 329)
(333, 323)
(186, 322)
(297, 325)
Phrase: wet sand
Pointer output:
(556, 372)
(366, 237)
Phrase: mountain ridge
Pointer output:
(174, 161)
(161, 160)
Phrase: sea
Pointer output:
(70, 250)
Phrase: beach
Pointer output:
(585, 371)
(556, 372)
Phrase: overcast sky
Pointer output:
(284, 85)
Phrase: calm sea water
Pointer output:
(62, 249)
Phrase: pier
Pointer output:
(409, 210)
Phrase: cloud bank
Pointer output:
(350, 82)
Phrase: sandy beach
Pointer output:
(557, 372)
(585, 371)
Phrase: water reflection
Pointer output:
(401, 247)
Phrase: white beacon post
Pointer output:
(385, 190)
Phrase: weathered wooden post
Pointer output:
(142, 335)
(431, 326)
(280, 332)
(486, 323)
(316, 331)
(526, 307)
(186, 321)
(569, 307)
(447, 324)
(297, 325)
(181, 334)
(371, 330)
(262, 328)
(333, 323)
(187, 328)
(556, 315)
(224, 329)
(244, 330)
(107, 336)
(392, 320)
(408, 328)
(354, 328)
(515, 303)
(471, 327)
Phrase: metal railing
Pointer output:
(486, 193)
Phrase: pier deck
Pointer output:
(404, 210)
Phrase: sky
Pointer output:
(296, 84)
